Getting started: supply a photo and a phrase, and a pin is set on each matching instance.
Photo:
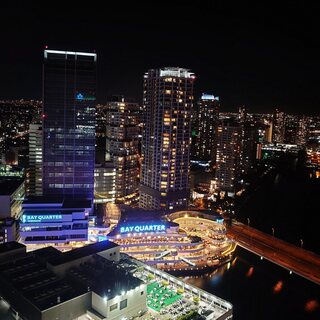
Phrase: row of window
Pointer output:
(123, 304)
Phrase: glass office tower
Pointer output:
(69, 88)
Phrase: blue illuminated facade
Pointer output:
(45, 220)
(41, 218)
(143, 228)
(69, 88)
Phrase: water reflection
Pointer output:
(261, 290)
(311, 305)
(278, 287)
(250, 272)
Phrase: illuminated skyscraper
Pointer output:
(249, 142)
(291, 129)
(228, 155)
(278, 130)
(122, 146)
(34, 174)
(69, 84)
(242, 114)
(167, 103)
(208, 116)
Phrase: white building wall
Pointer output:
(136, 301)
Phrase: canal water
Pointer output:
(287, 200)
(259, 289)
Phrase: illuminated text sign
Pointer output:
(41, 217)
(143, 228)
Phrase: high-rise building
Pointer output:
(268, 131)
(249, 142)
(34, 174)
(122, 147)
(104, 182)
(291, 129)
(101, 118)
(243, 114)
(69, 88)
(302, 130)
(168, 101)
(228, 155)
(208, 117)
(278, 127)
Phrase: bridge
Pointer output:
(295, 259)
(163, 254)
(188, 262)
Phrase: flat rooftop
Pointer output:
(31, 279)
(81, 252)
(9, 246)
(59, 201)
(104, 277)
(47, 252)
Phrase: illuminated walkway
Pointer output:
(295, 259)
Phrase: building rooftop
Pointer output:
(129, 213)
(31, 278)
(104, 277)
(42, 199)
(58, 201)
(89, 54)
(35, 282)
(81, 252)
(47, 252)
(9, 246)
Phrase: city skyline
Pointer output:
(158, 158)
(255, 57)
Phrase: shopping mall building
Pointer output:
(183, 241)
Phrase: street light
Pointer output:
(301, 243)
(272, 231)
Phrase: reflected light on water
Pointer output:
(234, 261)
(311, 305)
(278, 287)
(250, 272)
(216, 279)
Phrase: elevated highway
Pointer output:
(295, 259)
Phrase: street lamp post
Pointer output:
(301, 243)
(272, 231)
(248, 220)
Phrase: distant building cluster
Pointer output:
(146, 155)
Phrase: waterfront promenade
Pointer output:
(295, 259)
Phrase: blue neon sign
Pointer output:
(143, 228)
(82, 97)
(79, 96)
(41, 218)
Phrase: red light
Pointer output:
(46, 47)
(44, 116)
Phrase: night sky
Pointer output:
(262, 57)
